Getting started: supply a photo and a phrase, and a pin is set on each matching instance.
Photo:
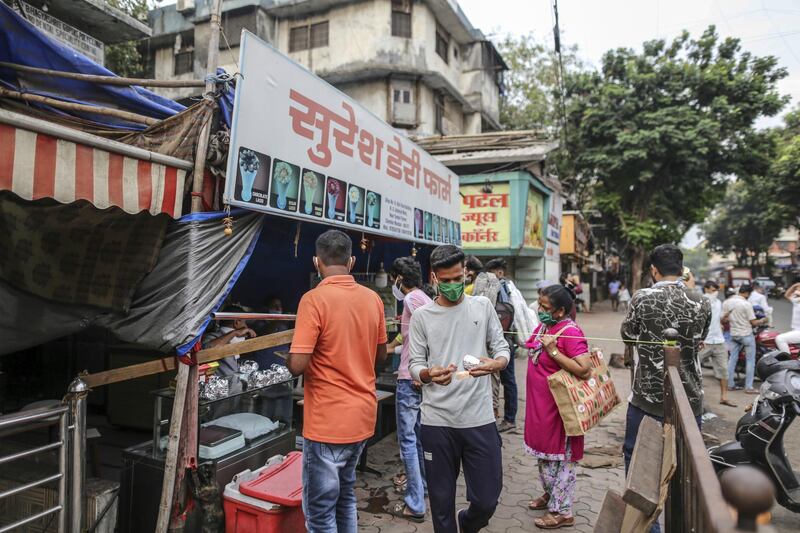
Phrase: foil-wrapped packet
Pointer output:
(470, 361)
(215, 388)
(247, 367)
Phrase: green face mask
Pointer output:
(546, 317)
(451, 291)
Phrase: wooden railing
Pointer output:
(695, 501)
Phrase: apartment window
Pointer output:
(442, 44)
(298, 39)
(438, 103)
(308, 36)
(402, 96)
(184, 62)
(401, 18)
(319, 35)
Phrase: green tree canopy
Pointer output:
(124, 59)
(655, 132)
(531, 100)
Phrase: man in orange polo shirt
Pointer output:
(339, 334)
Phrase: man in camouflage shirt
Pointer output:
(667, 304)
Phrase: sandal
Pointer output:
(539, 503)
(554, 521)
(399, 479)
(728, 403)
(401, 510)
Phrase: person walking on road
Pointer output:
(613, 293)
(714, 346)
(339, 335)
(791, 337)
(624, 297)
(545, 436)
(407, 288)
(458, 426)
(738, 312)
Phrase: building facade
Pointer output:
(418, 65)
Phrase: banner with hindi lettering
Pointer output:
(300, 148)
(486, 216)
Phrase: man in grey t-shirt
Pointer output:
(458, 425)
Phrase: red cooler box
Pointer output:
(267, 500)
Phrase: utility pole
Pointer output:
(182, 442)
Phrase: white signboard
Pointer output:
(554, 219)
(302, 149)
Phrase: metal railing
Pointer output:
(70, 419)
(695, 501)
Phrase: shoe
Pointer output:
(505, 425)
(459, 526)
(751, 391)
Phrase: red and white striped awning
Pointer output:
(39, 159)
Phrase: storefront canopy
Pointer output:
(39, 159)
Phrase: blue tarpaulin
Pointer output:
(22, 43)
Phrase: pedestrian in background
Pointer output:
(557, 343)
(510, 296)
(406, 279)
(624, 297)
(339, 336)
(758, 297)
(714, 346)
(791, 337)
(738, 312)
(458, 427)
(613, 293)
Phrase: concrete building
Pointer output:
(417, 64)
(86, 26)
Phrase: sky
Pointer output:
(765, 27)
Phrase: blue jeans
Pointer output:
(748, 343)
(509, 382)
(407, 400)
(633, 420)
(329, 473)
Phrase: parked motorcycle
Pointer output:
(760, 432)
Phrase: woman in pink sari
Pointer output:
(557, 343)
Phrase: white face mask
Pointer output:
(396, 292)
(713, 295)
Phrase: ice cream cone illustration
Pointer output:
(310, 183)
(333, 196)
(283, 177)
(372, 207)
(248, 165)
(354, 194)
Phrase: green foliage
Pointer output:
(531, 98)
(124, 58)
(756, 208)
(656, 131)
(697, 259)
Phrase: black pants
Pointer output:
(478, 450)
(509, 381)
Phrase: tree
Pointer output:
(124, 59)
(531, 97)
(656, 132)
(745, 222)
(784, 176)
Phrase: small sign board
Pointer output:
(302, 149)
(64, 33)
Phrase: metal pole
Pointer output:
(77, 400)
(63, 467)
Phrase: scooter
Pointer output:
(760, 432)
(765, 342)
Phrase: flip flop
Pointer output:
(551, 521)
(539, 503)
(728, 403)
(399, 510)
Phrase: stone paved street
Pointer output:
(601, 469)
